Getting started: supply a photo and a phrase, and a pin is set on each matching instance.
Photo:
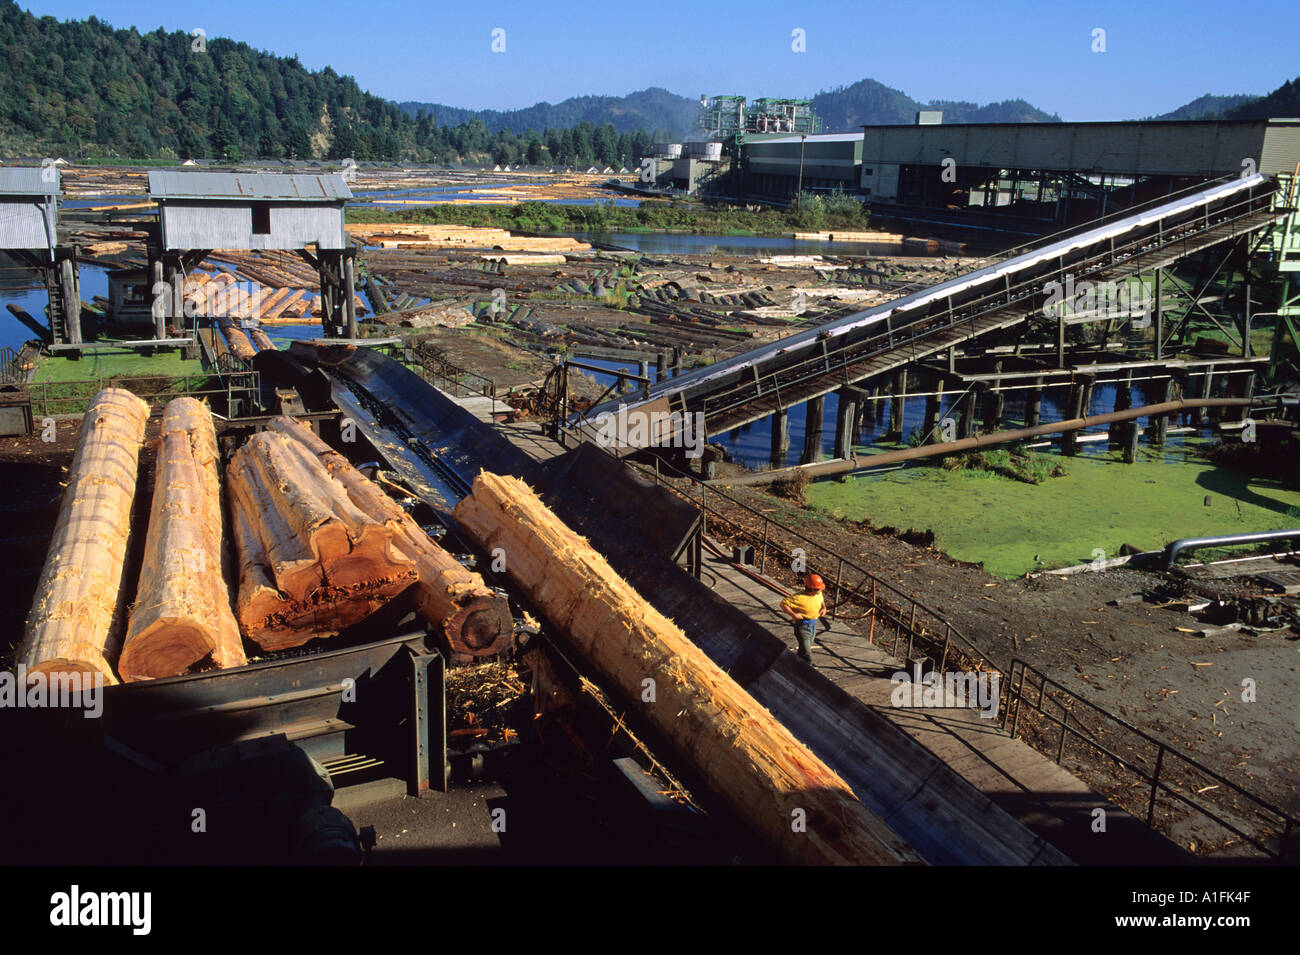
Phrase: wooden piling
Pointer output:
(780, 437)
(994, 403)
(1034, 404)
(896, 406)
(812, 434)
(933, 403)
(846, 413)
(1073, 409)
(970, 410)
(1123, 401)
(1130, 433)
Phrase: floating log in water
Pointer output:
(182, 616)
(310, 561)
(475, 621)
(75, 622)
(738, 747)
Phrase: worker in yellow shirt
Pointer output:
(806, 609)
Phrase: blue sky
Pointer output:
(1158, 55)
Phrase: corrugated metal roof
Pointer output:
(168, 184)
(29, 181)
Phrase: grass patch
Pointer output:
(1015, 527)
(1014, 463)
(125, 363)
(685, 217)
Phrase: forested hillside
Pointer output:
(84, 88)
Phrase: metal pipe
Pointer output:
(984, 440)
(1194, 543)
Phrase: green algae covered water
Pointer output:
(1100, 505)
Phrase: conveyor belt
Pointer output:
(871, 342)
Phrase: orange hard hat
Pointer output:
(814, 582)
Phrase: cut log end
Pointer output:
(171, 648)
(481, 627)
(51, 670)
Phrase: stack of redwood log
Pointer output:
(310, 561)
(475, 620)
(320, 548)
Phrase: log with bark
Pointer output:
(742, 752)
(182, 617)
(475, 621)
(75, 622)
(310, 561)
(240, 346)
(261, 340)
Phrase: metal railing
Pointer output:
(456, 381)
(10, 373)
(1048, 716)
(893, 616)
(53, 398)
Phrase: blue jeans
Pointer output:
(804, 631)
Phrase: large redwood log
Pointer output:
(182, 616)
(310, 561)
(240, 346)
(75, 622)
(475, 621)
(742, 752)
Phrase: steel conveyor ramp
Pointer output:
(866, 344)
(642, 530)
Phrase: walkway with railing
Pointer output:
(1174, 793)
(451, 378)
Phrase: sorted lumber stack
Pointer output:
(737, 746)
(74, 624)
(182, 617)
(310, 561)
(475, 621)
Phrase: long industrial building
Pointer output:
(1019, 177)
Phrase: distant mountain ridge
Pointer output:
(648, 109)
(1208, 106)
(870, 103)
(1282, 102)
(842, 110)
